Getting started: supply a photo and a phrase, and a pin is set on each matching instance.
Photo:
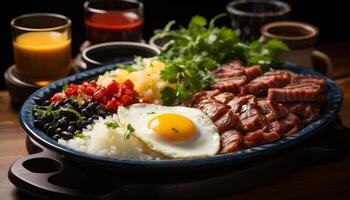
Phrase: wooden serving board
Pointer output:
(46, 174)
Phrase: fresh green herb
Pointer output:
(48, 112)
(83, 136)
(130, 130)
(200, 48)
(112, 124)
(65, 87)
(151, 113)
(77, 114)
(265, 53)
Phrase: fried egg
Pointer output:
(176, 132)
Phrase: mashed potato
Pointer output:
(145, 76)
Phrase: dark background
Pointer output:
(331, 17)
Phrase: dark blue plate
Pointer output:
(329, 112)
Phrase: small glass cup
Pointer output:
(248, 16)
(42, 47)
(110, 20)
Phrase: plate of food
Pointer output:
(206, 101)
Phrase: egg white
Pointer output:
(206, 143)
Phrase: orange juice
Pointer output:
(42, 57)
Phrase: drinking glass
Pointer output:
(111, 20)
(42, 47)
(248, 16)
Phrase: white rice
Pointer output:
(110, 142)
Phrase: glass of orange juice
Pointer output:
(42, 47)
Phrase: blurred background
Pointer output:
(329, 16)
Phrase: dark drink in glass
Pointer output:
(113, 20)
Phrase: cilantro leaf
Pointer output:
(195, 50)
(65, 87)
(170, 73)
(83, 136)
(275, 44)
(169, 97)
(198, 21)
(112, 124)
(130, 130)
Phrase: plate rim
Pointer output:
(25, 114)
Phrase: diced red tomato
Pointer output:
(112, 88)
(129, 84)
(114, 95)
(58, 97)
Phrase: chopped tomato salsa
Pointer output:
(114, 95)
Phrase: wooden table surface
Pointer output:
(317, 182)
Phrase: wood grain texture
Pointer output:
(317, 182)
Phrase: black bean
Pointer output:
(76, 124)
(46, 126)
(47, 118)
(38, 123)
(101, 113)
(80, 107)
(40, 107)
(77, 132)
(75, 105)
(95, 117)
(63, 122)
(87, 122)
(96, 104)
(71, 129)
(91, 105)
(84, 112)
(50, 130)
(58, 130)
(98, 107)
(83, 118)
(56, 137)
(66, 135)
(68, 114)
(67, 101)
(90, 120)
(68, 105)
(46, 103)
(89, 111)
(36, 115)
(56, 105)
(37, 100)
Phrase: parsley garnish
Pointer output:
(54, 113)
(65, 87)
(151, 113)
(200, 48)
(112, 124)
(130, 130)
(83, 136)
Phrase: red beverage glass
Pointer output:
(113, 20)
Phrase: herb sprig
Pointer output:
(48, 112)
(200, 48)
(129, 129)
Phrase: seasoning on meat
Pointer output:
(251, 109)
(230, 141)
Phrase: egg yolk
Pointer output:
(173, 127)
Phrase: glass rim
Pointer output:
(284, 8)
(101, 11)
(67, 24)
